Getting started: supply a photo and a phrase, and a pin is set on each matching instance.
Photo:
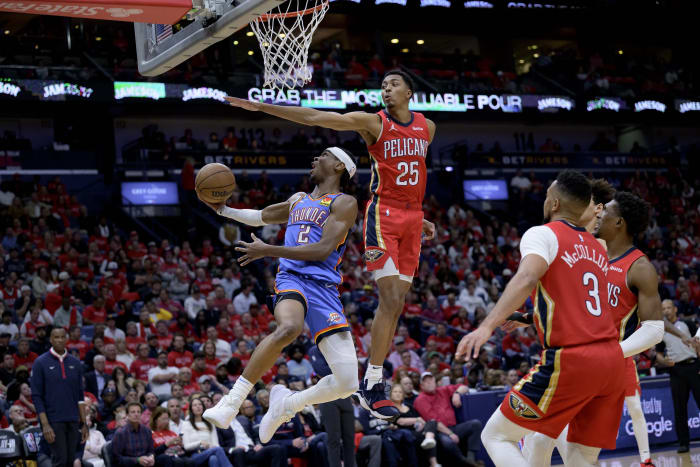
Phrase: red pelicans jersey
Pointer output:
(571, 298)
(623, 300)
(398, 160)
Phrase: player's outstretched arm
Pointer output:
(339, 222)
(642, 276)
(532, 268)
(273, 214)
(351, 121)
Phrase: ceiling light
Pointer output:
(250, 34)
(536, 55)
(404, 51)
(534, 47)
(235, 42)
(281, 35)
(250, 52)
(420, 42)
(394, 41)
(98, 38)
(620, 52)
(521, 61)
(7, 32)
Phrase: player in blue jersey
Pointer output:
(306, 289)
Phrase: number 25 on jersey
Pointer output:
(409, 173)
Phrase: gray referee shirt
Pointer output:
(675, 348)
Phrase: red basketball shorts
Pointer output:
(631, 378)
(582, 386)
(392, 232)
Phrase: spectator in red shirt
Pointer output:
(132, 338)
(438, 403)
(23, 356)
(243, 352)
(75, 342)
(111, 361)
(220, 300)
(260, 316)
(180, 325)
(179, 356)
(409, 342)
(189, 385)
(445, 343)
(210, 359)
(405, 364)
(199, 367)
(432, 311)
(25, 402)
(95, 313)
(450, 309)
(461, 321)
(143, 363)
(163, 335)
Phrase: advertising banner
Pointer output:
(564, 160)
(134, 11)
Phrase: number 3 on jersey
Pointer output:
(592, 308)
(410, 170)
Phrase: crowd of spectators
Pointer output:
(163, 329)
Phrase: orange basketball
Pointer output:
(214, 183)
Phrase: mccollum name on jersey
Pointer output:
(583, 252)
(401, 147)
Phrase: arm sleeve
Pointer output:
(650, 333)
(251, 217)
(540, 241)
(37, 385)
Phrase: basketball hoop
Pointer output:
(285, 34)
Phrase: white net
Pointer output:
(285, 34)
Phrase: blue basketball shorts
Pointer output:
(322, 308)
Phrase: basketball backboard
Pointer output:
(159, 48)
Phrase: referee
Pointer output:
(57, 392)
(684, 366)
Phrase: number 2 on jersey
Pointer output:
(592, 309)
(407, 169)
(303, 236)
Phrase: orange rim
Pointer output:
(291, 14)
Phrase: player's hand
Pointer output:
(214, 206)
(243, 103)
(471, 343)
(428, 229)
(510, 326)
(252, 251)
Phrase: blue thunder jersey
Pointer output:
(307, 217)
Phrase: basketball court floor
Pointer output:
(662, 458)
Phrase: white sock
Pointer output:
(239, 392)
(339, 351)
(374, 375)
(639, 423)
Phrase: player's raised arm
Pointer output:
(340, 221)
(642, 276)
(273, 214)
(351, 121)
(531, 269)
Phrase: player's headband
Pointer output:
(343, 157)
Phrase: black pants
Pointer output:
(684, 378)
(66, 443)
(469, 434)
(339, 419)
(272, 455)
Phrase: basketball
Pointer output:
(214, 183)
